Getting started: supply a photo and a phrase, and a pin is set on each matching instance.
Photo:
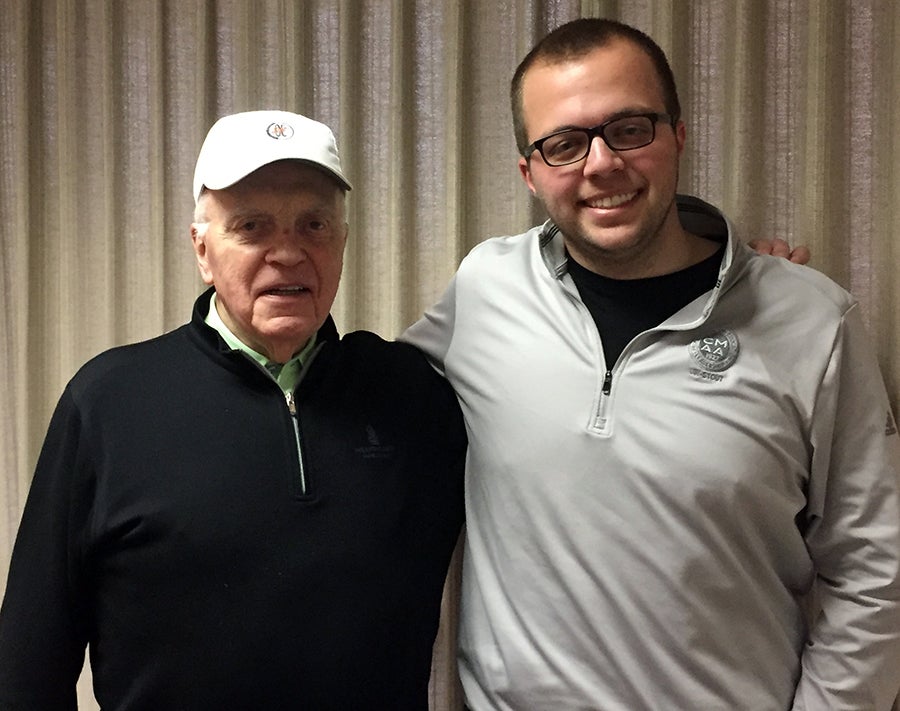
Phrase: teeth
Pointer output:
(288, 290)
(612, 201)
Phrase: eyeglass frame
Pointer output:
(598, 130)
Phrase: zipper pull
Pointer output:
(607, 382)
(292, 406)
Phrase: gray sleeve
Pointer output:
(852, 655)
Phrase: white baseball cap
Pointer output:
(238, 144)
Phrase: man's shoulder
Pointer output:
(135, 360)
(388, 369)
(369, 350)
(800, 285)
(503, 247)
(368, 354)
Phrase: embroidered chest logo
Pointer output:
(714, 354)
(374, 448)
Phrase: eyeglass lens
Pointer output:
(621, 135)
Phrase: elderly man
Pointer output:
(249, 511)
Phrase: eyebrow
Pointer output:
(321, 209)
(232, 219)
(621, 113)
(242, 213)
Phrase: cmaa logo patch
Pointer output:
(715, 353)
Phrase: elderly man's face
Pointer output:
(273, 247)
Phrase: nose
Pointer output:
(288, 247)
(602, 159)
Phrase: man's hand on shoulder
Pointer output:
(780, 248)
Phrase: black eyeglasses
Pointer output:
(620, 134)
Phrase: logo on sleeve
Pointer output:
(714, 354)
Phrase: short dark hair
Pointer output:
(574, 40)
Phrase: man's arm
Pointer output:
(433, 333)
(42, 638)
(852, 657)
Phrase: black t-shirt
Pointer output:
(623, 308)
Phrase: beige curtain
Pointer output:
(791, 105)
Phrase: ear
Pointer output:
(680, 135)
(201, 252)
(342, 249)
(525, 172)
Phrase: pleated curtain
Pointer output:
(792, 110)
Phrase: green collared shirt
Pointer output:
(286, 375)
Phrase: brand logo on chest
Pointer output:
(714, 354)
(374, 447)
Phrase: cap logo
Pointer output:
(280, 130)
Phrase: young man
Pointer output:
(674, 442)
(248, 512)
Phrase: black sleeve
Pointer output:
(42, 620)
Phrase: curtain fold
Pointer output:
(791, 107)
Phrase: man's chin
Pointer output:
(287, 331)
(610, 240)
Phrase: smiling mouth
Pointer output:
(286, 291)
(611, 201)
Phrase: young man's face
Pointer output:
(615, 208)
(273, 247)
